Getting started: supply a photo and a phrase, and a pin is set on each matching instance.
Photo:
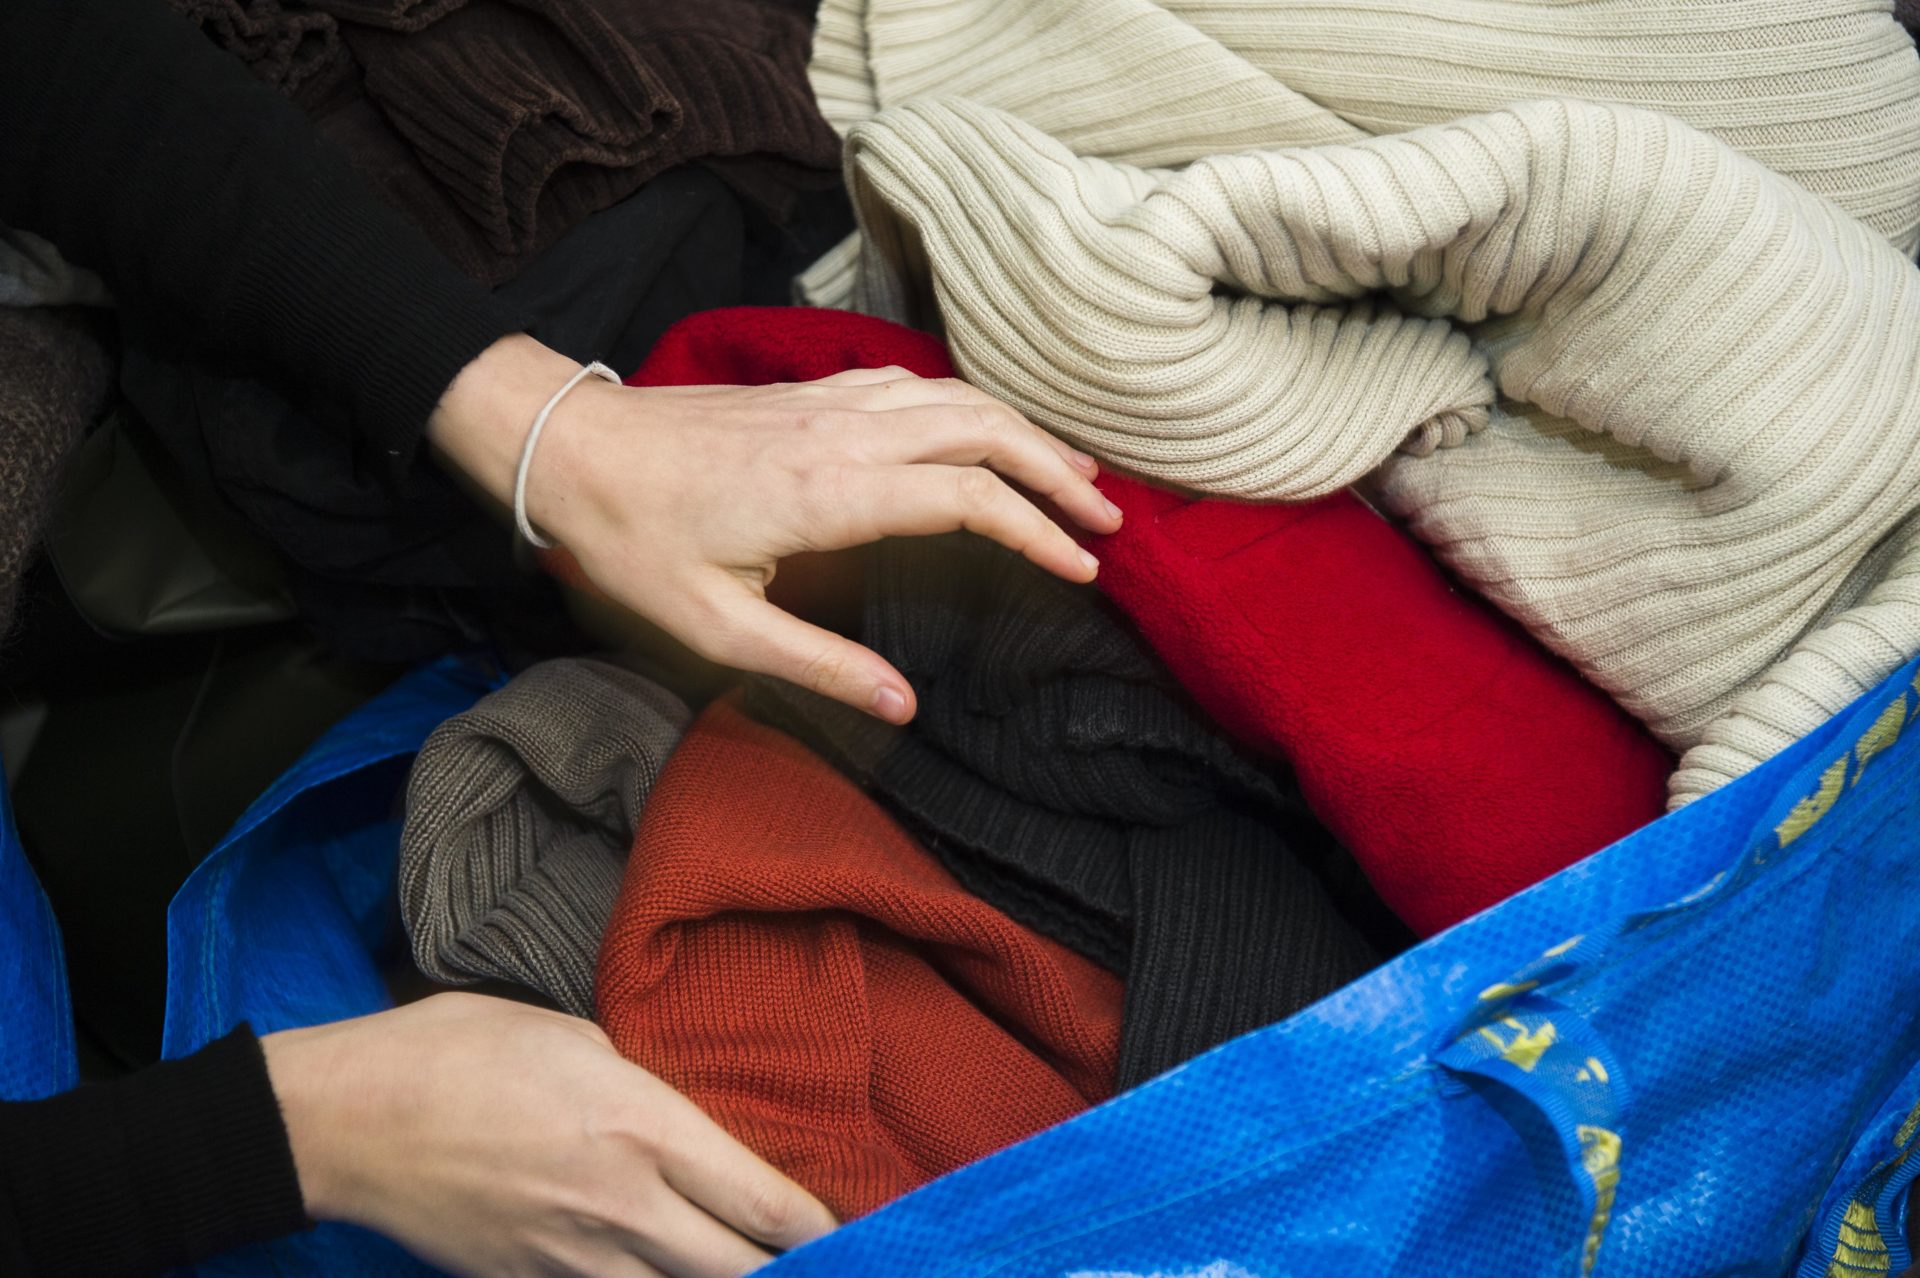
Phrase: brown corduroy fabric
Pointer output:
(533, 115)
(54, 379)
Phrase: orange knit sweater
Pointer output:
(789, 958)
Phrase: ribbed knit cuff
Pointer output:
(173, 1164)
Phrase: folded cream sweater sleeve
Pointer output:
(1720, 370)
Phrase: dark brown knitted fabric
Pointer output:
(296, 50)
(54, 379)
(533, 115)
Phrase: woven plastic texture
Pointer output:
(36, 1019)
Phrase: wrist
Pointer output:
(482, 420)
(310, 1087)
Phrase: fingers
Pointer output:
(757, 636)
(894, 389)
(995, 436)
(915, 501)
(867, 377)
(733, 1187)
(682, 1241)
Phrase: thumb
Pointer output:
(768, 640)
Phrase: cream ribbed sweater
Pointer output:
(1826, 92)
(1741, 358)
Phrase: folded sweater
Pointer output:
(1721, 368)
(1457, 760)
(788, 958)
(1826, 92)
(520, 813)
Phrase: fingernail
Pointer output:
(1114, 512)
(890, 705)
(1084, 462)
(1088, 562)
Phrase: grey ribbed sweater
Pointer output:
(520, 816)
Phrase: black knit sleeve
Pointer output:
(218, 216)
(171, 1165)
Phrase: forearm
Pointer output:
(165, 1167)
(219, 218)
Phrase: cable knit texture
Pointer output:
(1720, 367)
(520, 813)
(788, 958)
(55, 377)
(1826, 92)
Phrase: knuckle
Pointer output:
(976, 489)
(822, 670)
(769, 1210)
(824, 492)
(817, 421)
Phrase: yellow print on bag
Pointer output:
(1860, 1247)
(1524, 1050)
(1600, 1159)
(1882, 733)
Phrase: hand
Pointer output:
(679, 501)
(493, 1138)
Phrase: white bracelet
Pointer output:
(520, 520)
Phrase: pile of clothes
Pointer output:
(1515, 411)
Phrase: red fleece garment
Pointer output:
(792, 961)
(1457, 759)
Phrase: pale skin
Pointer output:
(503, 1141)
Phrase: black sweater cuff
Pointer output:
(162, 1168)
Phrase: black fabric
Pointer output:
(159, 1169)
(398, 574)
(225, 228)
(1060, 773)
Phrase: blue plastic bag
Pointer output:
(281, 925)
(37, 1055)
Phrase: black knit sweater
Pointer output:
(157, 1170)
(220, 221)
(1059, 772)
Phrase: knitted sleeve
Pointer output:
(162, 1168)
(219, 218)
